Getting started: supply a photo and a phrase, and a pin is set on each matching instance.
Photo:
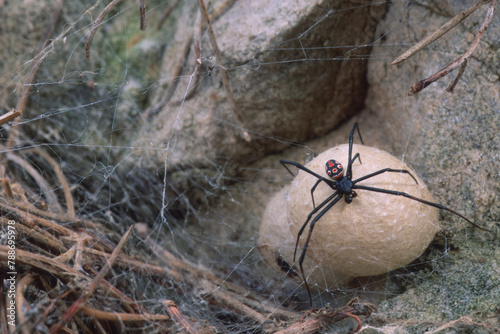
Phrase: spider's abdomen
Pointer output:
(334, 169)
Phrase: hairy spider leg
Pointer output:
(351, 139)
(306, 244)
(436, 205)
(383, 171)
(309, 216)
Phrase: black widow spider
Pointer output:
(344, 186)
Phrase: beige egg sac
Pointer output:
(276, 241)
(372, 235)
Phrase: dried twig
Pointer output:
(176, 314)
(129, 305)
(225, 79)
(317, 320)
(40, 262)
(75, 307)
(460, 60)
(142, 11)
(32, 220)
(227, 295)
(197, 44)
(134, 265)
(459, 75)
(70, 205)
(22, 306)
(7, 117)
(438, 33)
(96, 25)
(197, 54)
(51, 198)
(52, 238)
(102, 15)
(229, 301)
(177, 71)
(222, 8)
(167, 13)
(179, 55)
(33, 216)
(122, 317)
(42, 237)
(7, 188)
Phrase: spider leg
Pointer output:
(351, 139)
(356, 156)
(436, 205)
(314, 188)
(311, 227)
(284, 162)
(307, 170)
(359, 134)
(312, 192)
(383, 171)
(330, 183)
(309, 216)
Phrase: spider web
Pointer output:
(133, 146)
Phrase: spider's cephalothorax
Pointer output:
(343, 185)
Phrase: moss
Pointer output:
(467, 283)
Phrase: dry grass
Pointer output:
(66, 267)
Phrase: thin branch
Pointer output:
(70, 204)
(222, 8)
(177, 71)
(51, 198)
(40, 262)
(460, 60)
(459, 75)
(225, 78)
(197, 54)
(142, 11)
(122, 317)
(176, 314)
(438, 33)
(7, 117)
(47, 219)
(22, 306)
(30, 218)
(226, 295)
(7, 188)
(76, 306)
(167, 13)
(229, 301)
(96, 25)
(129, 305)
(102, 15)
(317, 320)
(178, 64)
(41, 237)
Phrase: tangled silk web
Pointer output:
(148, 132)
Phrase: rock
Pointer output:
(283, 84)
